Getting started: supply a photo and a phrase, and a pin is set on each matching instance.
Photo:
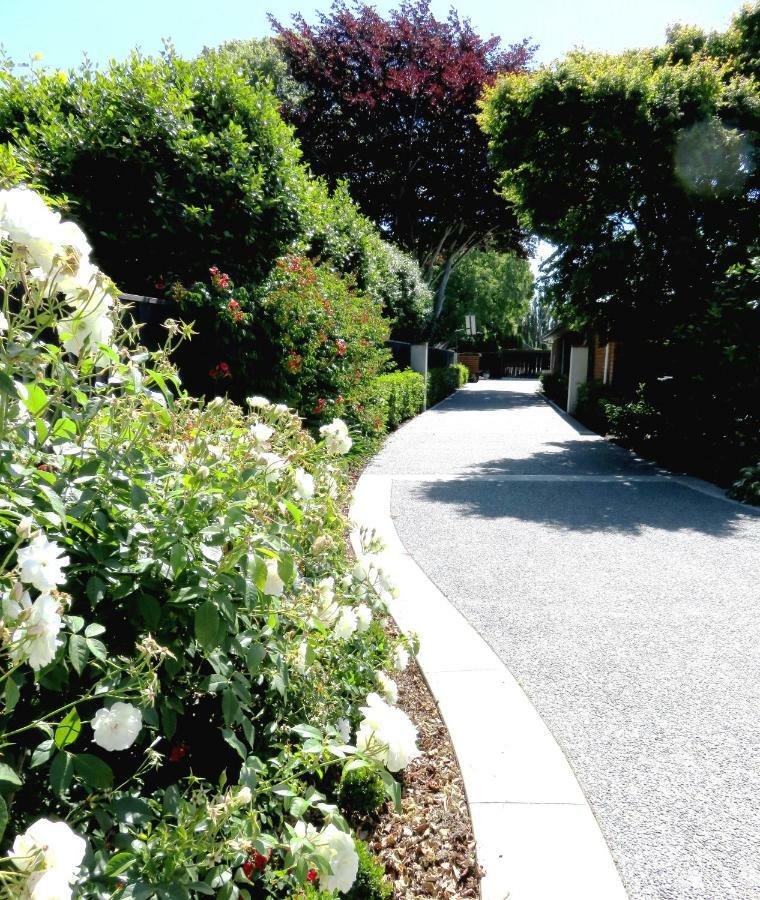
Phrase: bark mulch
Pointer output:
(428, 850)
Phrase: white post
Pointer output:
(606, 361)
(418, 357)
(578, 375)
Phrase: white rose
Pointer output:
(24, 528)
(364, 617)
(116, 727)
(388, 687)
(343, 727)
(260, 432)
(336, 437)
(244, 795)
(36, 637)
(47, 845)
(49, 885)
(274, 585)
(346, 625)
(304, 484)
(41, 563)
(386, 733)
(400, 658)
(257, 402)
(341, 853)
(274, 465)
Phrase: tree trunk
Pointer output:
(440, 292)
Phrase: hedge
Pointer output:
(403, 394)
(444, 381)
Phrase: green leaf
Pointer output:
(12, 694)
(42, 753)
(230, 707)
(78, 652)
(95, 589)
(68, 730)
(119, 863)
(207, 625)
(254, 656)
(234, 742)
(93, 771)
(7, 387)
(177, 559)
(8, 776)
(61, 773)
(97, 648)
(3, 817)
(93, 630)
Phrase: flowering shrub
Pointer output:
(189, 661)
(307, 337)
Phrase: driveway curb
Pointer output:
(536, 835)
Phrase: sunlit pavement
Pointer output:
(625, 602)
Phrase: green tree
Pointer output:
(641, 170)
(496, 287)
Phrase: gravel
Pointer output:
(625, 603)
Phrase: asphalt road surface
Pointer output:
(627, 604)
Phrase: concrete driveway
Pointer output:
(625, 601)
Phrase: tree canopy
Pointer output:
(497, 288)
(390, 106)
(642, 170)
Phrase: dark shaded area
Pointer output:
(626, 506)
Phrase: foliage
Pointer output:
(361, 791)
(328, 344)
(260, 60)
(637, 422)
(171, 165)
(403, 394)
(191, 566)
(444, 381)
(639, 169)
(747, 487)
(554, 386)
(336, 232)
(371, 882)
(591, 405)
(496, 287)
(390, 107)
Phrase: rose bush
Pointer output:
(188, 657)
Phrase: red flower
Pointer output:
(248, 869)
(213, 271)
(261, 861)
(340, 347)
(178, 752)
(233, 304)
(312, 875)
(160, 284)
(295, 360)
(220, 370)
(219, 279)
(319, 406)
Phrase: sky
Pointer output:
(110, 28)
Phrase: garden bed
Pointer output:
(428, 850)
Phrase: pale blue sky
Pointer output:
(110, 28)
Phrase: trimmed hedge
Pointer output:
(444, 381)
(555, 387)
(403, 394)
(591, 408)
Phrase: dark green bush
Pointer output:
(554, 386)
(361, 791)
(371, 882)
(444, 381)
(747, 487)
(171, 165)
(636, 423)
(591, 405)
(404, 395)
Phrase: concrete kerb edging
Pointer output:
(536, 835)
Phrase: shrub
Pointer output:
(554, 386)
(636, 422)
(444, 381)
(184, 643)
(404, 395)
(591, 405)
(371, 883)
(171, 165)
(361, 791)
(747, 487)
